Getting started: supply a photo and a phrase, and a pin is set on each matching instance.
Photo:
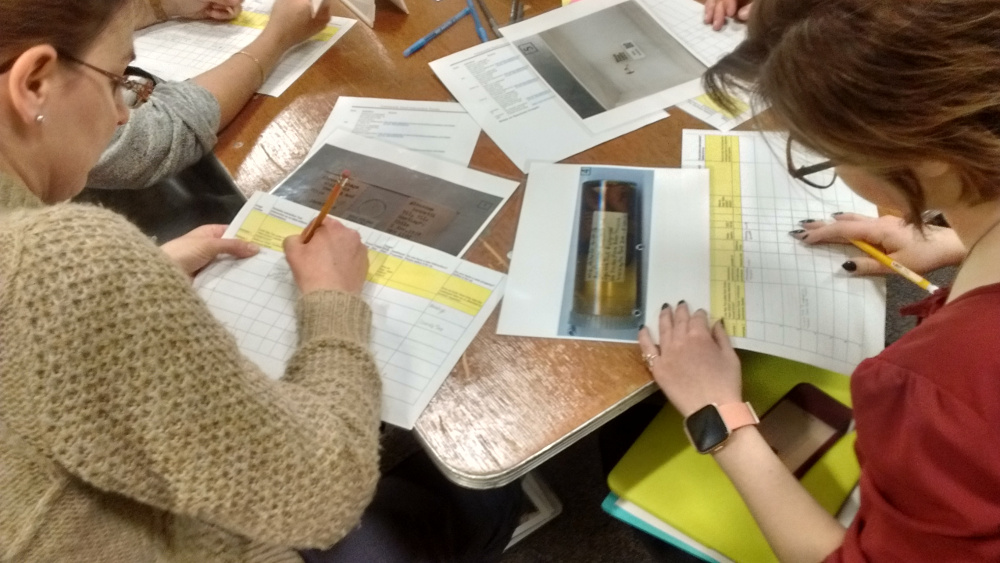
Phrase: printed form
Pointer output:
(441, 129)
(427, 306)
(780, 296)
(516, 107)
(179, 50)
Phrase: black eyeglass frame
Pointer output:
(142, 90)
(801, 172)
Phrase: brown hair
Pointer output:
(70, 26)
(880, 85)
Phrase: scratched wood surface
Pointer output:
(511, 402)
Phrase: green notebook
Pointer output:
(664, 476)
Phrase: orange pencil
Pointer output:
(334, 192)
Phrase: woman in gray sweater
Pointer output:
(180, 122)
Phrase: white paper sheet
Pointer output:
(427, 306)
(517, 109)
(441, 129)
(412, 195)
(685, 21)
(777, 295)
(609, 58)
(365, 9)
(179, 50)
(669, 214)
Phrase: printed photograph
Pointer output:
(609, 58)
(604, 295)
(392, 198)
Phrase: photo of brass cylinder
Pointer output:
(607, 290)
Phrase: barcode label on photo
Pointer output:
(634, 52)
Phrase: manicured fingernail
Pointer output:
(722, 322)
(641, 327)
(837, 213)
(849, 266)
(665, 307)
(681, 302)
(806, 221)
(799, 234)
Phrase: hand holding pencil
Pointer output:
(334, 258)
(310, 229)
(905, 244)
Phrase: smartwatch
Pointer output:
(709, 427)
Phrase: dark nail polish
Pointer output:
(641, 327)
(796, 232)
(681, 302)
(665, 307)
(807, 221)
(837, 213)
(849, 266)
(722, 322)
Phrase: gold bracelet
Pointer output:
(260, 67)
(158, 11)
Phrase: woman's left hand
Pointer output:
(223, 10)
(694, 364)
(194, 250)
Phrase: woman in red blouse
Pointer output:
(903, 98)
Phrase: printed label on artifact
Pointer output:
(608, 237)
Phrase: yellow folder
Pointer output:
(662, 474)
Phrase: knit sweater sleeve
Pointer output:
(162, 137)
(115, 369)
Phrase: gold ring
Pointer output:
(648, 358)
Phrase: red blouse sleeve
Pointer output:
(930, 460)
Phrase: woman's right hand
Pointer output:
(717, 11)
(334, 259)
(935, 248)
(292, 21)
(222, 10)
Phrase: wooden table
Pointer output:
(511, 403)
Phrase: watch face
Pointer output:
(706, 429)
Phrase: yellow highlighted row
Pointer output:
(722, 158)
(389, 271)
(255, 20)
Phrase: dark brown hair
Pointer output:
(880, 85)
(70, 26)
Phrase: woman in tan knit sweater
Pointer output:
(131, 429)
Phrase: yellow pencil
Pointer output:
(310, 230)
(894, 266)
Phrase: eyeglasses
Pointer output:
(818, 175)
(134, 89)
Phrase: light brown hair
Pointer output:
(880, 85)
(70, 26)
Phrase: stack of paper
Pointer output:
(591, 237)
(567, 80)
(427, 305)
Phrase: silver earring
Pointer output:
(39, 118)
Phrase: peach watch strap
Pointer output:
(738, 415)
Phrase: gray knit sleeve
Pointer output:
(174, 129)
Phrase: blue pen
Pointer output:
(419, 44)
(479, 25)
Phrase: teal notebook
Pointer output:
(665, 478)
